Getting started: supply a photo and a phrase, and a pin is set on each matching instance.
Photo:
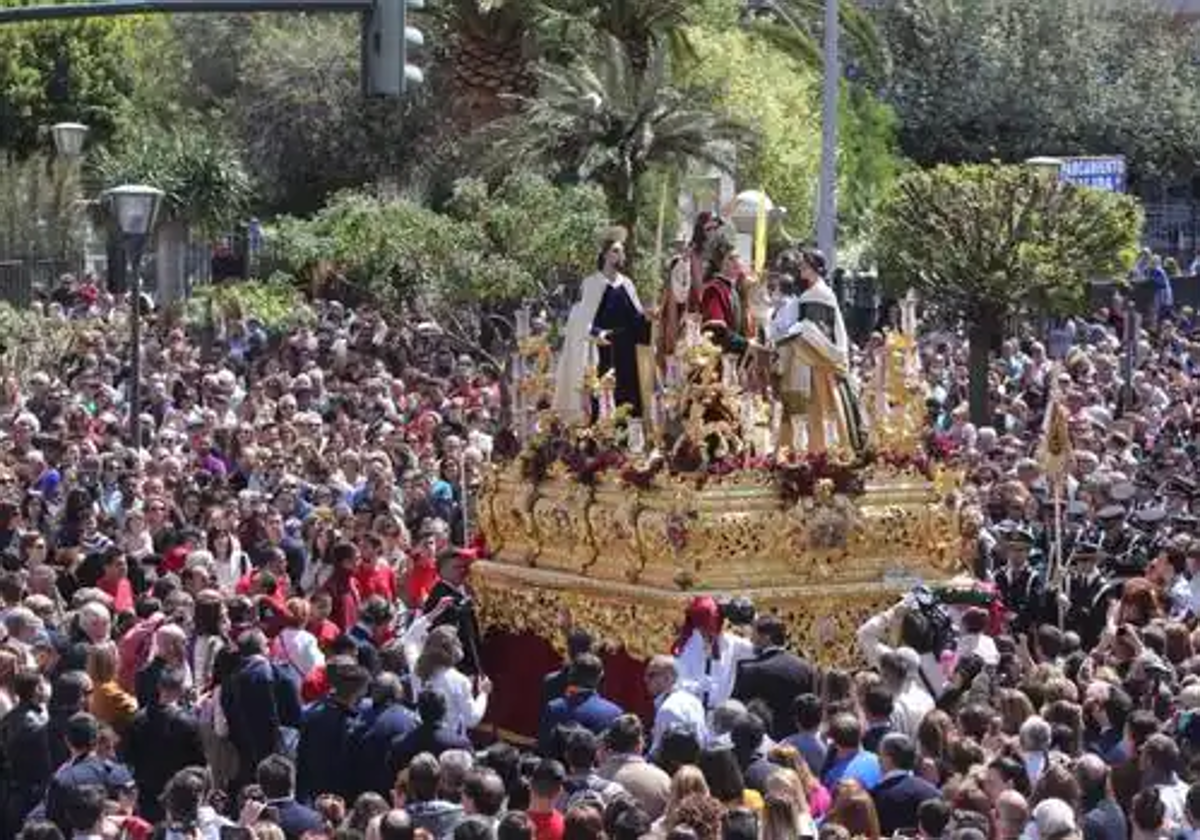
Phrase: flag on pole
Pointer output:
(760, 234)
(1056, 448)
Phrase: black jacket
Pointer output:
(162, 740)
(422, 739)
(1105, 821)
(25, 764)
(462, 615)
(778, 677)
(324, 761)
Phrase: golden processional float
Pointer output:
(617, 525)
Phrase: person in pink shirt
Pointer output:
(114, 581)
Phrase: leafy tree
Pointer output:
(276, 303)
(299, 114)
(868, 157)
(525, 239)
(763, 86)
(603, 122)
(64, 71)
(977, 80)
(797, 28)
(984, 242)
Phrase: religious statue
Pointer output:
(607, 330)
(723, 307)
(820, 408)
(677, 290)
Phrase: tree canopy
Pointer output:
(518, 240)
(607, 122)
(64, 71)
(984, 242)
(976, 80)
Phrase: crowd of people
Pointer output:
(256, 623)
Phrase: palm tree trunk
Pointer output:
(623, 208)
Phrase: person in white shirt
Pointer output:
(706, 657)
(674, 707)
(912, 701)
(436, 671)
(905, 617)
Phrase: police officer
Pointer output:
(1020, 585)
(85, 768)
(1088, 593)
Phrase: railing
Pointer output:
(23, 280)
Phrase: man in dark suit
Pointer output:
(878, 705)
(26, 764)
(901, 792)
(324, 759)
(429, 735)
(554, 684)
(580, 706)
(387, 720)
(775, 675)
(259, 701)
(163, 739)
(452, 567)
(277, 778)
(84, 769)
(1103, 818)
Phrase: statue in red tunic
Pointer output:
(723, 312)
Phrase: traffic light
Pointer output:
(385, 42)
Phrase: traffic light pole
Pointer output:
(17, 14)
(386, 36)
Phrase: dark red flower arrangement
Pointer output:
(587, 459)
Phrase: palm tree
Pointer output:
(641, 25)
(600, 120)
(206, 186)
(796, 27)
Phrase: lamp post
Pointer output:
(827, 185)
(133, 209)
(68, 139)
(68, 146)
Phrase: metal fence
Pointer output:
(22, 280)
(1172, 229)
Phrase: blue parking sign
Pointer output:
(1101, 173)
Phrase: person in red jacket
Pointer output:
(373, 574)
(319, 624)
(422, 574)
(343, 588)
(115, 580)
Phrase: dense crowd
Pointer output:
(257, 623)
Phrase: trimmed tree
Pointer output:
(983, 243)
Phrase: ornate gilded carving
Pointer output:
(624, 560)
(821, 623)
(560, 516)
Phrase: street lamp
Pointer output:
(133, 209)
(68, 139)
(68, 148)
(827, 185)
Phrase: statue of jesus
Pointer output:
(605, 330)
